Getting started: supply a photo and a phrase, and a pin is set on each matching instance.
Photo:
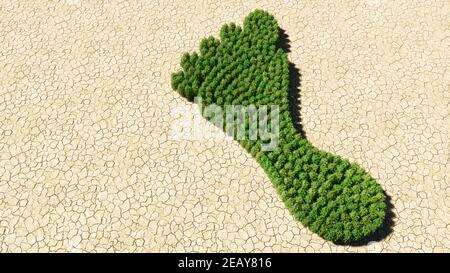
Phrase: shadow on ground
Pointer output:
(295, 107)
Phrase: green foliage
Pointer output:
(333, 197)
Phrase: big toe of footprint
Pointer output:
(334, 198)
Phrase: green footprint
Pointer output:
(331, 196)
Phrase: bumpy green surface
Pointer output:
(331, 196)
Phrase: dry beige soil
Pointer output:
(87, 161)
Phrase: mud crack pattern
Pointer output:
(86, 158)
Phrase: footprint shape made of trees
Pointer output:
(334, 198)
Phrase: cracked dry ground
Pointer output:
(86, 158)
